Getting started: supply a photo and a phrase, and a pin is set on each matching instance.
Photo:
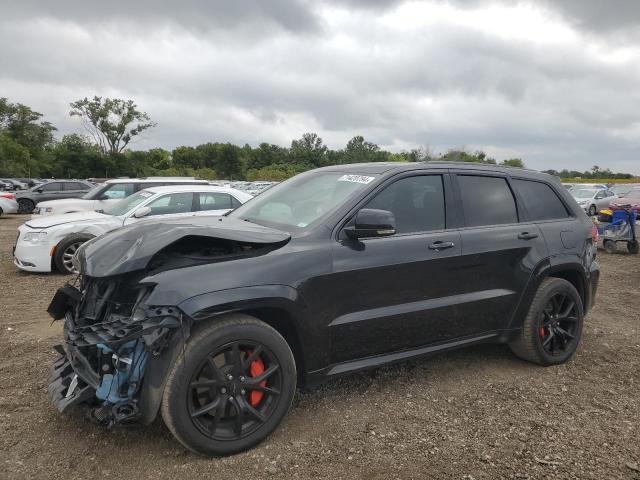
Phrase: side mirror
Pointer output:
(370, 222)
(142, 212)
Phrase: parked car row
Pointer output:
(49, 241)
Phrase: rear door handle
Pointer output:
(439, 245)
(527, 236)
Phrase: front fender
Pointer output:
(207, 305)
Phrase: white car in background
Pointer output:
(108, 193)
(592, 200)
(51, 241)
(8, 203)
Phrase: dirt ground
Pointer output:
(478, 413)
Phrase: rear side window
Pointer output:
(215, 201)
(75, 186)
(540, 200)
(486, 201)
(417, 203)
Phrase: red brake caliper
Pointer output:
(542, 332)
(256, 369)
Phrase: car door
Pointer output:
(397, 292)
(500, 249)
(49, 191)
(73, 189)
(214, 203)
(171, 205)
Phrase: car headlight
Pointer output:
(34, 237)
(46, 210)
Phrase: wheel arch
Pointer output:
(279, 306)
(572, 272)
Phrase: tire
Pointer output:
(609, 246)
(592, 210)
(25, 205)
(215, 432)
(65, 250)
(1, 212)
(535, 339)
(633, 247)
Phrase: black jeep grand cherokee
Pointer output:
(214, 321)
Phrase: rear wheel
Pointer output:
(551, 331)
(232, 388)
(25, 205)
(592, 210)
(609, 246)
(66, 249)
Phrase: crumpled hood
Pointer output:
(52, 220)
(131, 248)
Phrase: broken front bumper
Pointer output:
(103, 362)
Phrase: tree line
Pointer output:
(29, 148)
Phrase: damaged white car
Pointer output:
(50, 242)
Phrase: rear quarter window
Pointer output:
(486, 201)
(540, 200)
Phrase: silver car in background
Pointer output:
(592, 200)
(8, 203)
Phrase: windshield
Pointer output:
(621, 189)
(583, 193)
(93, 193)
(126, 204)
(302, 201)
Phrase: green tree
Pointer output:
(309, 149)
(111, 122)
(230, 164)
(358, 150)
(512, 162)
(76, 157)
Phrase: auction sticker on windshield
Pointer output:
(356, 179)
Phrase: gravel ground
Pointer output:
(478, 413)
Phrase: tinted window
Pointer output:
(172, 204)
(215, 201)
(51, 187)
(235, 203)
(416, 202)
(486, 201)
(540, 200)
(75, 186)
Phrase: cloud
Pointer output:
(520, 79)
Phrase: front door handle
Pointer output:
(527, 236)
(439, 245)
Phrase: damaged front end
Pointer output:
(110, 334)
(117, 347)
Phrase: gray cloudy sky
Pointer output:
(555, 82)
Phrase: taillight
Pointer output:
(10, 196)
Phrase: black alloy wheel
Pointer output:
(235, 390)
(551, 331)
(559, 322)
(231, 387)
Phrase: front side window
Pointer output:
(486, 201)
(51, 187)
(417, 203)
(540, 200)
(301, 202)
(74, 186)
(172, 204)
(215, 201)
